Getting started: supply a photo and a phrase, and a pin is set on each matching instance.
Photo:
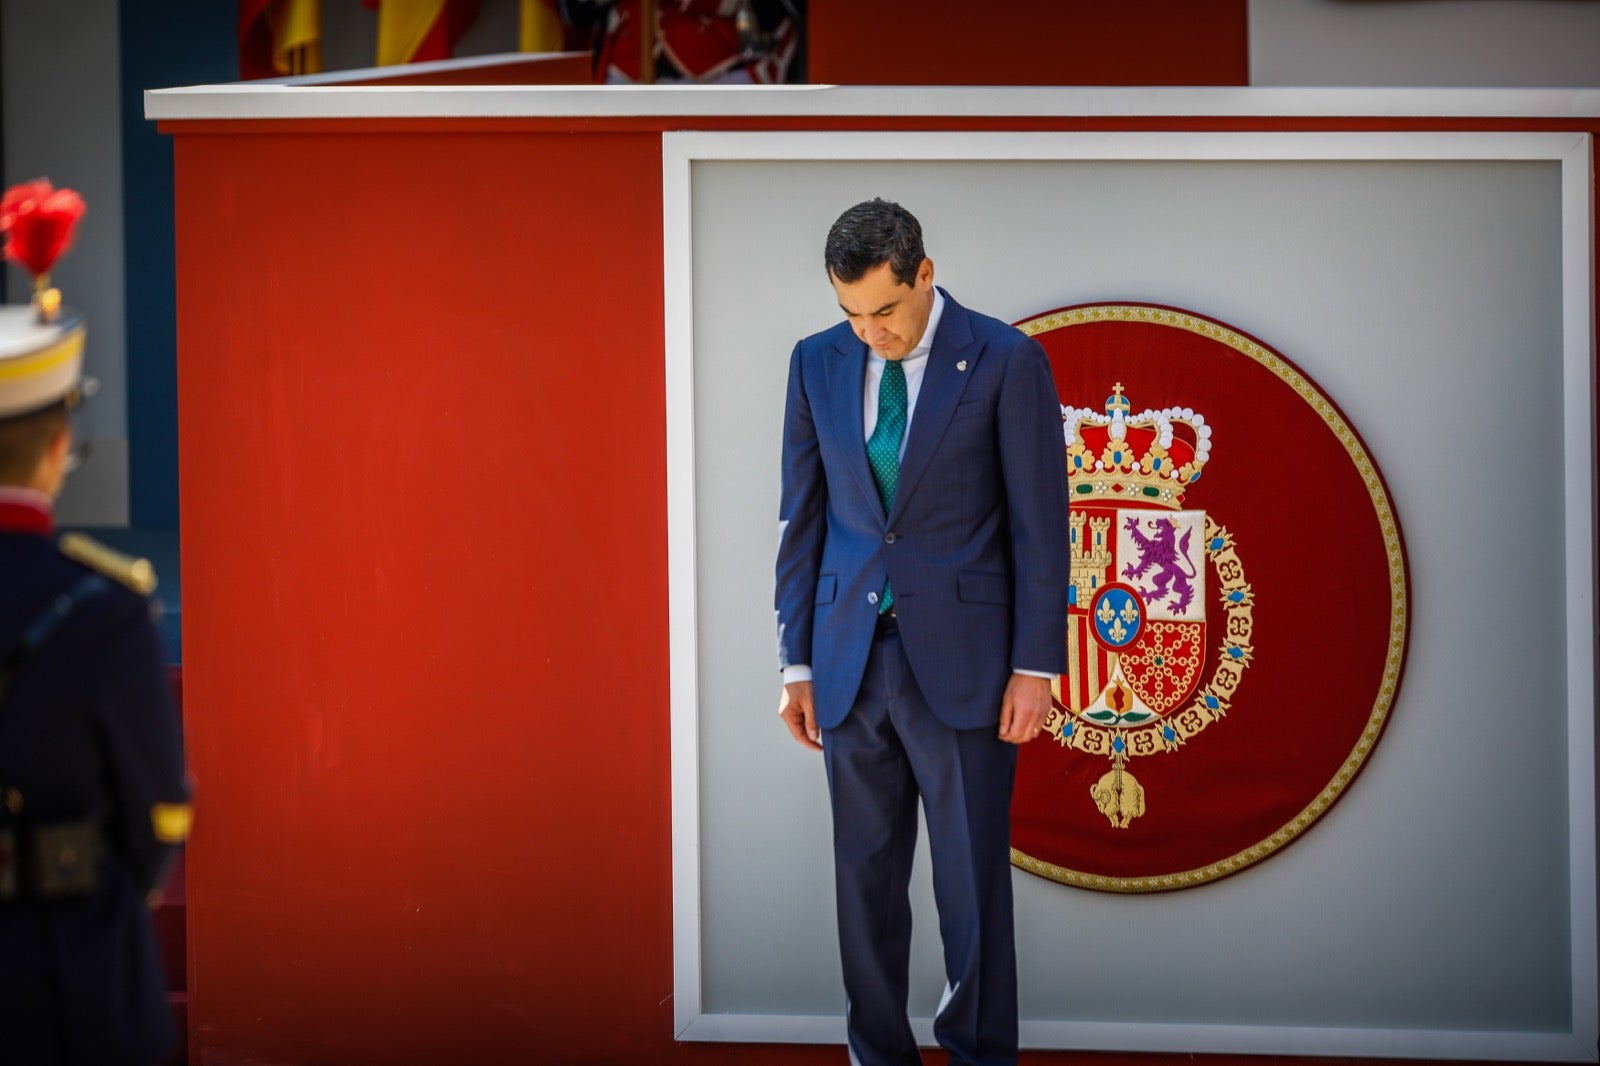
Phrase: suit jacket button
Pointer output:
(872, 597)
(890, 537)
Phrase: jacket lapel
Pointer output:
(847, 372)
(942, 385)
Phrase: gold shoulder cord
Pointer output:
(137, 574)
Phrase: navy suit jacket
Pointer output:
(976, 545)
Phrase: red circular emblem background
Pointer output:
(1310, 520)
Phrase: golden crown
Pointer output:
(1151, 457)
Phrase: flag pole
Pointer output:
(647, 42)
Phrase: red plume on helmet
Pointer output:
(38, 222)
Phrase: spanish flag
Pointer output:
(278, 37)
(414, 31)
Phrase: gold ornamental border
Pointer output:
(1394, 549)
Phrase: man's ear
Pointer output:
(52, 469)
(925, 274)
(60, 444)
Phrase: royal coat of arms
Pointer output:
(1137, 622)
(1191, 448)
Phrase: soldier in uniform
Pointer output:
(93, 795)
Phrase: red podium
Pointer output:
(424, 481)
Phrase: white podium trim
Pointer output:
(308, 98)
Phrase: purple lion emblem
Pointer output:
(1168, 557)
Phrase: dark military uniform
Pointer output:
(91, 761)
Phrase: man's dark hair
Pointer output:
(873, 233)
(24, 439)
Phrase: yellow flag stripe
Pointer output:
(541, 28)
(295, 24)
(402, 27)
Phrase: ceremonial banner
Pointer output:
(279, 37)
(1238, 617)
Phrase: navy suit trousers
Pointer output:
(888, 749)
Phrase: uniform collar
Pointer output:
(25, 511)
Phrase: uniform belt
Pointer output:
(55, 861)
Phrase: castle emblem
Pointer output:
(1138, 615)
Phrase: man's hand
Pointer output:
(1023, 707)
(798, 710)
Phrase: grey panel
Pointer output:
(1447, 43)
(1425, 299)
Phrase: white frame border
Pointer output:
(680, 150)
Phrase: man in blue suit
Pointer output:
(921, 600)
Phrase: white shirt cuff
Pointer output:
(796, 673)
(1032, 673)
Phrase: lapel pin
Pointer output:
(961, 365)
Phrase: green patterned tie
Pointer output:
(883, 447)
